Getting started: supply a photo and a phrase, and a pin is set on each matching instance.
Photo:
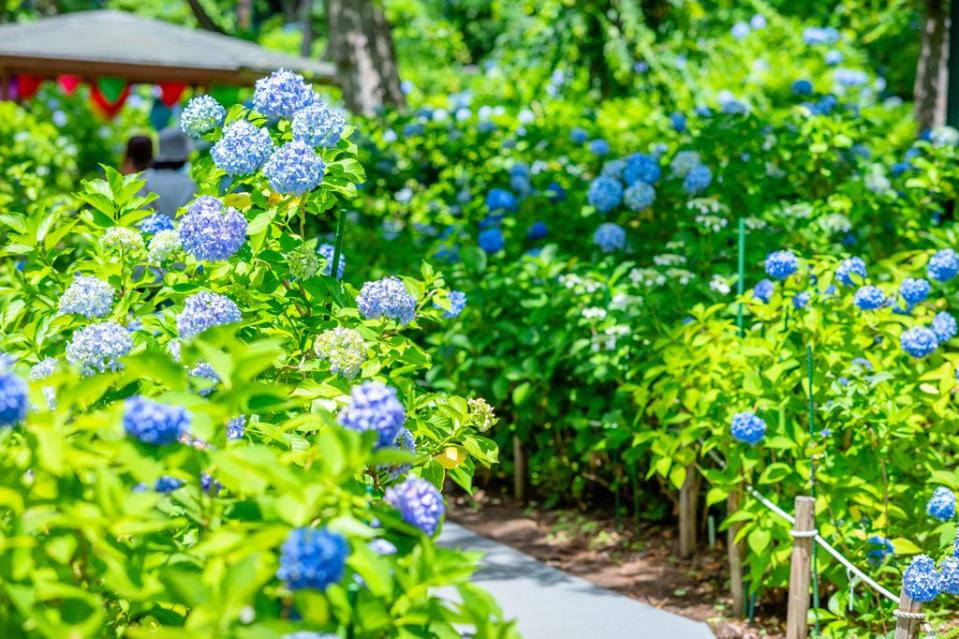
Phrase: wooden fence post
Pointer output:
(907, 626)
(519, 470)
(688, 499)
(800, 568)
(737, 587)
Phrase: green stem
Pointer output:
(338, 245)
(741, 282)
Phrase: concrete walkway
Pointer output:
(551, 604)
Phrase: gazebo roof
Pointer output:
(137, 49)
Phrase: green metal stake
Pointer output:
(741, 282)
(338, 245)
(812, 482)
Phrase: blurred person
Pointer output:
(168, 177)
(138, 156)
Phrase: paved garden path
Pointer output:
(551, 604)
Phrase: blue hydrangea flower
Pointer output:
(387, 297)
(327, 250)
(605, 193)
(578, 135)
(914, 290)
(312, 558)
(98, 347)
(555, 192)
(282, 94)
(740, 30)
(294, 168)
(205, 310)
(491, 240)
(879, 549)
(204, 371)
(641, 168)
(43, 369)
(833, 57)
(820, 35)
(500, 200)
(382, 546)
(698, 179)
(610, 237)
(167, 484)
(748, 427)
(156, 223)
(802, 87)
(944, 265)
(613, 169)
(236, 427)
(457, 304)
(343, 348)
(639, 196)
(678, 122)
(849, 267)
(211, 231)
(201, 115)
(537, 230)
(404, 441)
(870, 298)
(154, 423)
(942, 505)
(87, 296)
(949, 575)
(919, 342)
(599, 147)
(14, 402)
(800, 300)
(318, 125)
(375, 407)
(944, 326)
(243, 148)
(418, 502)
(781, 264)
(763, 291)
(684, 162)
(920, 580)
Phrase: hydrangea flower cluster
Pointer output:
(763, 291)
(500, 200)
(327, 251)
(748, 427)
(801, 299)
(156, 223)
(282, 94)
(849, 267)
(14, 400)
(639, 196)
(698, 179)
(605, 193)
(944, 265)
(98, 347)
(870, 298)
(211, 231)
(919, 342)
(684, 162)
(914, 290)
(236, 428)
(43, 369)
(641, 168)
(312, 558)
(610, 237)
(167, 484)
(294, 168)
(120, 239)
(387, 297)
(404, 441)
(204, 371)
(481, 414)
(343, 348)
(921, 580)
(201, 115)
(942, 504)
(303, 262)
(162, 247)
(491, 240)
(949, 575)
(457, 304)
(418, 502)
(205, 310)
(154, 423)
(87, 296)
(375, 407)
(781, 264)
(944, 326)
(537, 230)
(599, 147)
(242, 149)
(318, 125)
(879, 549)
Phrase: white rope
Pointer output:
(803, 534)
(904, 614)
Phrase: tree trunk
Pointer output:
(932, 69)
(361, 45)
(203, 18)
(306, 15)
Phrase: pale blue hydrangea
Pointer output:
(154, 423)
(820, 35)
(205, 310)
(374, 407)
(919, 342)
(156, 223)
(282, 94)
(14, 399)
(98, 347)
(294, 168)
(163, 246)
(201, 115)
(610, 237)
(318, 125)
(120, 239)
(944, 265)
(781, 264)
(613, 169)
(639, 196)
(236, 428)
(605, 193)
(801, 299)
(850, 77)
(243, 148)
(500, 200)
(312, 558)
(740, 30)
(599, 147)
(942, 504)
(944, 326)
(418, 502)
(457, 304)
(404, 441)
(949, 575)
(327, 251)
(763, 291)
(748, 427)
(43, 369)
(914, 290)
(698, 179)
(870, 298)
(491, 240)
(211, 231)
(387, 297)
(87, 296)
(921, 580)
(641, 168)
(684, 162)
(207, 378)
(848, 268)
(343, 348)
(578, 135)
